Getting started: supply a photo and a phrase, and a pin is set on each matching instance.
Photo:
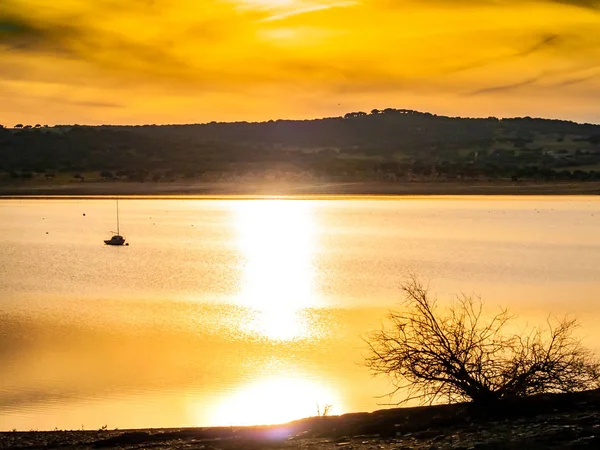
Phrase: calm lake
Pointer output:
(233, 311)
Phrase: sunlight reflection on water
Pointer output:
(276, 399)
(277, 239)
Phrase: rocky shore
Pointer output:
(567, 421)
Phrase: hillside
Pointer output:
(390, 145)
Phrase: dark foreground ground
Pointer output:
(301, 189)
(545, 422)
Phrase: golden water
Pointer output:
(230, 312)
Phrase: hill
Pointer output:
(390, 145)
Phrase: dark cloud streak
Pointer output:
(587, 4)
(22, 35)
(103, 48)
(506, 87)
(590, 4)
(544, 42)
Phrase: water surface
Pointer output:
(230, 312)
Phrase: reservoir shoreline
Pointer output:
(273, 188)
(550, 421)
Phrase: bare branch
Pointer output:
(458, 354)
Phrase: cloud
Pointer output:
(310, 8)
(543, 43)
(506, 88)
(549, 79)
(18, 34)
(163, 55)
(577, 80)
(593, 4)
(78, 35)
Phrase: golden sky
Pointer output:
(188, 61)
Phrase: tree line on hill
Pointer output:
(390, 144)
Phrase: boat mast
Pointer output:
(118, 216)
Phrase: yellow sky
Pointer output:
(186, 61)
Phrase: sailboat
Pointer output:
(117, 239)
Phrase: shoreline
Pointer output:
(266, 189)
(551, 421)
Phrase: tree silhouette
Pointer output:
(459, 354)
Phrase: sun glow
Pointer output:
(276, 238)
(276, 400)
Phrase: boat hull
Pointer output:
(115, 240)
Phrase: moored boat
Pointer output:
(117, 239)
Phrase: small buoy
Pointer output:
(127, 244)
(83, 214)
(47, 232)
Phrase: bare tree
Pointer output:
(459, 354)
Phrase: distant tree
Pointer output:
(460, 354)
(107, 175)
(354, 115)
(375, 112)
(28, 127)
(19, 125)
(37, 125)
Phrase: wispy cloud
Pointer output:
(506, 87)
(298, 10)
(542, 43)
(593, 4)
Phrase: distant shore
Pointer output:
(275, 188)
